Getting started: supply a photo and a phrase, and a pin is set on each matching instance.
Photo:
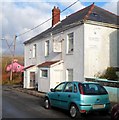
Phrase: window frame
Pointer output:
(34, 51)
(66, 90)
(47, 48)
(30, 54)
(64, 84)
(91, 89)
(41, 73)
(70, 39)
(67, 74)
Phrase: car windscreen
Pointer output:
(93, 89)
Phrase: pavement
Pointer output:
(28, 91)
(34, 92)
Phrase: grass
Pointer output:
(11, 82)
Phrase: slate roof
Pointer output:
(92, 12)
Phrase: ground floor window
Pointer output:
(44, 73)
(69, 74)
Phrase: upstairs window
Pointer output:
(30, 55)
(47, 48)
(34, 50)
(70, 43)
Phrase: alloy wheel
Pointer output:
(47, 104)
(73, 111)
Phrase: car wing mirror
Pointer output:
(52, 90)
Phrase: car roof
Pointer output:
(90, 82)
(85, 82)
(72, 82)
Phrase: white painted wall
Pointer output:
(100, 49)
(95, 48)
(27, 76)
(41, 51)
(29, 61)
(71, 61)
(56, 75)
(43, 83)
(74, 61)
(25, 79)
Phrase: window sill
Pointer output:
(44, 77)
(32, 58)
(46, 56)
(69, 53)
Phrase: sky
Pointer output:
(19, 16)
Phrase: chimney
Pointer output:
(55, 15)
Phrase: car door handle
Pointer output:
(69, 96)
(58, 95)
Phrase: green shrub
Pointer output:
(109, 74)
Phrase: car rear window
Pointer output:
(93, 89)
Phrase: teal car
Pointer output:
(78, 98)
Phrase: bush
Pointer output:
(109, 74)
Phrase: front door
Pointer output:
(32, 79)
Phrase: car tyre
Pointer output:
(47, 103)
(74, 112)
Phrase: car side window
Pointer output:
(68, 87)
(60, 87)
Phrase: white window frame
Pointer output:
(41, 73)
(70, 39)
(47, 47)
(34, 51)
(67, 74)
(30, 53)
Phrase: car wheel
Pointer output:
(73, 111)
(47, 103)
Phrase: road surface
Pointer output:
(21, 105)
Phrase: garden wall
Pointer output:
(111, 86)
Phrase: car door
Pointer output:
(55, 95)
(67, 95)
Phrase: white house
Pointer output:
(82, 45)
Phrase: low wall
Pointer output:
(113, 93)
(112, 87)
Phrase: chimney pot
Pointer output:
(55, 15)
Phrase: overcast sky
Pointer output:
(23, 15)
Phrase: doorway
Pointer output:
(32, 79)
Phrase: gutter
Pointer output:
(102, 24)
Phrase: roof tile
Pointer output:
(47, 63)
